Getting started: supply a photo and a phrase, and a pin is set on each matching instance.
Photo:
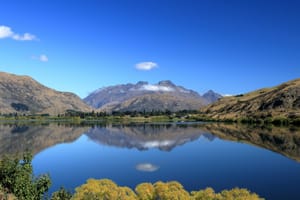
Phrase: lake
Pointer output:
(198, 155)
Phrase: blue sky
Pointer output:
(229, 46)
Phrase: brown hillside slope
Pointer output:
(143, 96)
(280, 101)
(22, 94)
(149, 102)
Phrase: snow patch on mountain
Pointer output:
(157, 88)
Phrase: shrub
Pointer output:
(61, 194)
(16, 177)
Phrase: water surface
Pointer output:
(197, 155)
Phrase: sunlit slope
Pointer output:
(280, 101)
(22, 94)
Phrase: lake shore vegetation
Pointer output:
(76, 117)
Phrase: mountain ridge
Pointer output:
(282, 100)
(23, 94)
(142, 96)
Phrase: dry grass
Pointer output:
(279, 101)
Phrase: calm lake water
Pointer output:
(265, 161)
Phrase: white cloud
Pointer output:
(146, 66)
(157, 88)
(25, 37)
(6, 32)
(43, 58)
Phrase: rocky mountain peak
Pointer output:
(145, 96)
(142, 83)
(167, 83)
(212, 96)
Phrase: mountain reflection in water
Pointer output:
(35, 138)
(283, 140)
(146, 136)
(16, 139)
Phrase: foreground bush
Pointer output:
(16, 177)
(61, 194)
(106, 189)
(236, 194)
(103, 189)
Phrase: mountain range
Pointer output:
(22, 94)
(143, 96)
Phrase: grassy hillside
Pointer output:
(22, 94)
(282, 101)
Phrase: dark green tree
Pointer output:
(17, 177)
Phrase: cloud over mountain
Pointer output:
(156, 88)
(143, 96)
(146, 66)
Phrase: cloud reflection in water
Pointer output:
(146, 167)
